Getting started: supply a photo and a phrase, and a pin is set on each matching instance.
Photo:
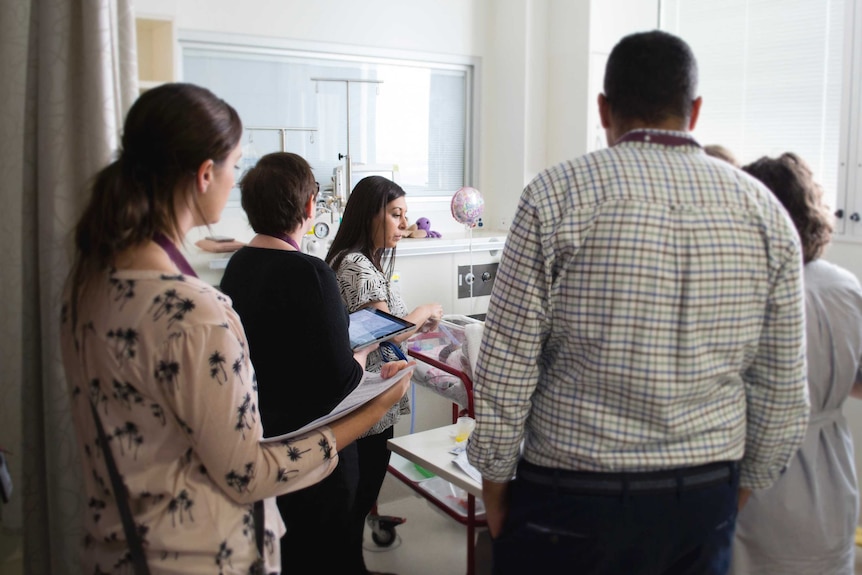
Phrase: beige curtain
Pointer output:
(69, 75)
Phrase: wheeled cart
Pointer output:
(459, 387)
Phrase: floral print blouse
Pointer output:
(165, 361)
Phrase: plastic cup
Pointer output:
(463, 427)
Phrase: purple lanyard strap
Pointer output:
(285, 238)
(175, 255)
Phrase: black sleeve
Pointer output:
(335, 357)
(296, 326)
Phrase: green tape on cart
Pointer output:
(422, 470)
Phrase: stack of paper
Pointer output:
(371, 386)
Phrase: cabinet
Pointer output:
(155, 44)
(434, 277)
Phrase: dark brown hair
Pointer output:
(792, 182)
(651, 76)
(359, 222)
(168, 133)
(275, 192)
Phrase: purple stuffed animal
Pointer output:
(425, 224)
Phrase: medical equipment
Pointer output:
(317, 241)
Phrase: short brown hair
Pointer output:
(722, 153)
(275, 192)
(792, 182)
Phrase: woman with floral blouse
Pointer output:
(161, 359)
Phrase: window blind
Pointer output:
(770, 74)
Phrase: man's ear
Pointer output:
(204, 176)
(310, 207)
(604, 111)
(695, 113)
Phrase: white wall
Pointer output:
(504, 111)
(441, 26)
(541, 63)
(569, 97)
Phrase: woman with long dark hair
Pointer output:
(363, 257)
(164, 398)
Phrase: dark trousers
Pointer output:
(373, 462)
(600, 526)
(316, 519)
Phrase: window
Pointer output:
(775, 76)
(407, 119)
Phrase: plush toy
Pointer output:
(425, 225)
(414, 232)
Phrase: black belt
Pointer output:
(636, 482)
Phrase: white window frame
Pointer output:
(197, 39)
(850, 167)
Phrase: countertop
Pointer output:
(450, 243)
(453, 242)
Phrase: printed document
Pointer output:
(461, 461)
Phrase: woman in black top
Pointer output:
(297, 329)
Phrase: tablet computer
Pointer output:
(369, 325)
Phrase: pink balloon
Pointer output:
(467, 206)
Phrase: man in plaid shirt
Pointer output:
(643, 363)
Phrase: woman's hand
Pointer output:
(433, 313)
(361, 356)
(389, 369)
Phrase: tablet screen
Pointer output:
(370, 325)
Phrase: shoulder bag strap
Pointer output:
(139, 560)
(259, 526)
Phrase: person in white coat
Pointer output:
(806, 522)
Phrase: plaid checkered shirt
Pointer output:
(647, 314)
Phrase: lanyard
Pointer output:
(173, 253)
(284, 238)
(664, 138)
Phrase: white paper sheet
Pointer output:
(371, 386)
(461, 461)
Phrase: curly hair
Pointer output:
(792, 182)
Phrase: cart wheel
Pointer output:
(383, 535)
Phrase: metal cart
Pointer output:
(470, 519)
